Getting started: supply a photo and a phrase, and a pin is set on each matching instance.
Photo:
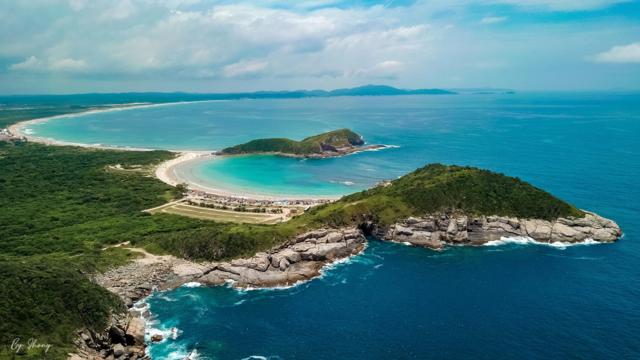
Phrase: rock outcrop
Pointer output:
(437, 231)
(298, 260)
(123, 339)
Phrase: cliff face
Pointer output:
(300, 259)
(437, 231)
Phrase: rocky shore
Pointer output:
(438, 231)
(300, 259)
(303, 257)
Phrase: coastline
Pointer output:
(18, 128)
(167, 173)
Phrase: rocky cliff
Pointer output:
(437, 231)
(298, 260)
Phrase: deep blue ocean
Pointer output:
(397, 302)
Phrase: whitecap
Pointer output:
(525, 240)
(193, 284)
(262, 357)
(181, 353)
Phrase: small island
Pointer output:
(330, 144)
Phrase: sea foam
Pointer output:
(525, 240)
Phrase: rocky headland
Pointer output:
(412, 210)
(438, 231)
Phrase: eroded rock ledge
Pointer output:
(298, 260)
(437, 231)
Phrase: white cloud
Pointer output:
(620, 54)
(68, 64)
(300, 45)
(385, 69)
(245, 68)
(488, 20)
(34, 64)
(29, 64)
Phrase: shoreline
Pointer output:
(18, 128)
(166, 172)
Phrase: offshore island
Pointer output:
(435, 207)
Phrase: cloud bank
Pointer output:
(206, 45)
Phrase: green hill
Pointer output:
(332, 141)
(438, 188)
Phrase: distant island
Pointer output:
(77, 102)
(330, 144)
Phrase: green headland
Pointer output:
(332, 143)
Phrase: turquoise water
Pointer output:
(393, 301)
(547, 137)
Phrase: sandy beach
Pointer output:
(168, 173)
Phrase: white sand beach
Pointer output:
(168, 172)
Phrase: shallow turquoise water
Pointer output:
(393, 301)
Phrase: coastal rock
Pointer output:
(118, 350)
(135, 331)
(122, 339)
(436, 231)
(299, 260)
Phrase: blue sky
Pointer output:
(70, 46)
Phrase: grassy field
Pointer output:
(219, 215)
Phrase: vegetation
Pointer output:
(431, 189)
(312, 145)
(60, 207)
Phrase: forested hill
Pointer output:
(330, 141)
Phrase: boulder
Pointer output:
(118, 350)
(117, 335)
(135, 331)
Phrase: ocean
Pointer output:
(393, 301)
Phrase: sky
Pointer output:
(74, 46)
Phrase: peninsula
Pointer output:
(330, 144)
(433, 207)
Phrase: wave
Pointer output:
(193, 284)
(525, 240)
(180, 353)
(382, 147)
